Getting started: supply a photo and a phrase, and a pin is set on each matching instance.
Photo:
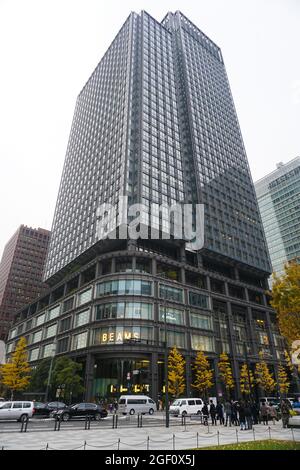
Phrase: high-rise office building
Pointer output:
(156, 123)
(170, 134)
(278, 195)
(21, 271)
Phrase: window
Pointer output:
(202, 343)
(63, 345)
(68, 304)
(54, 312)
(80, 340)
(37, 336)
(198, 300)
(33, 354)
(172, 315)
(65, 324)
(200, 321)
(40, 319)
(85, 296)
(82, 317)
(48, 350)
(170, 293)
(124, 287)
(51, 331)
(174, 338)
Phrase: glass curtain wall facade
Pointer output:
(278, 197)
(156, 122)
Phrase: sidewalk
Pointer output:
(158, 438)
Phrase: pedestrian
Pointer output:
(264, 413)
(235, 410)
(242, 416)
(273, 413)
(220, 412)
(228, 412)
(205, 414)
(248, 415)
(110, 407)
(212, 411)
(255, 412)
(285, 413)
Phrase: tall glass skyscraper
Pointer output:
(156, 123)
(278, 195)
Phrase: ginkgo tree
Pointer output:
(263, 376)
(225, 373)
(203, 374)
(176, 373)
(246, 380)
(15, 374)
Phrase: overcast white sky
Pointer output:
(49, 48)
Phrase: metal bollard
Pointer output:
(24, 424)
(173, 441)
(237, 436)
(57, 424)
(113, 421)
(138, 421)
(116, 422)
(87, 422)
(148, 442)
(218, 434)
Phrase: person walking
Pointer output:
(255, 412)
(220, 412)
(248, 416)
(273, 413)
(285, 413)
(264, 413)
(205, 414)
(242, 416)
(228, 412)
(212, 411)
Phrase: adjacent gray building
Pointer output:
(278, 195)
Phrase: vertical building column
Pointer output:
(235, 364)
(154, 267)
(208, 286)
(80, 280)
(113, 265)
(89, 377)
(134, 263)
(98, 269)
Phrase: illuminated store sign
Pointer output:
(119, 337)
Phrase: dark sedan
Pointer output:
(43, 410)
(81, 410)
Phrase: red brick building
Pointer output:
(21, 271)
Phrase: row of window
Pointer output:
(121, 335)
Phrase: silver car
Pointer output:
(16, 410)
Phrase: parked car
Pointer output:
(136, 404)
(16, 410)
(186, 406)
(45, 409)
(80, 410)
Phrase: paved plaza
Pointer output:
(148, 438)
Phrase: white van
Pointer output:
(186, 406)
(136, 404)
(17, 410)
